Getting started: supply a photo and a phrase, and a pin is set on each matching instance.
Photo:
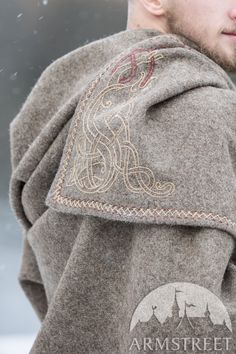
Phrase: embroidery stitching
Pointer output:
(142, 212)
(122, 210)
(104, 150)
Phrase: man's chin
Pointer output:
(220, 59)
(227, 65)
(214, 54)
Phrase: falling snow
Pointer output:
(19, 15)
(45, 2)
(13, 76)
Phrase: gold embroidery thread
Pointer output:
(103, 146)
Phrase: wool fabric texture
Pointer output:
(124, 181)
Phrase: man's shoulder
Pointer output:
(211, 103)
(168, 57)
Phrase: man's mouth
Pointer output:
(230, 33)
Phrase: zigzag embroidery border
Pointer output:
(142, 212)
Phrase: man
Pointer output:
(211, 24)
(123, 160)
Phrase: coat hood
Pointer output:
(131, 112)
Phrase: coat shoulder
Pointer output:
(151, 162)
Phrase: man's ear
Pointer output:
(155, 7)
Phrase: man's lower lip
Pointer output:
(231, 36)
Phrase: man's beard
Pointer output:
(178, 28)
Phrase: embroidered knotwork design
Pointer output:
(103, 150)
(128, 211)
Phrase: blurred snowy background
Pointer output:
(33, 33)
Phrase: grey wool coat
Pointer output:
(124, 181)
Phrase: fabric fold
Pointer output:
(30, 281)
